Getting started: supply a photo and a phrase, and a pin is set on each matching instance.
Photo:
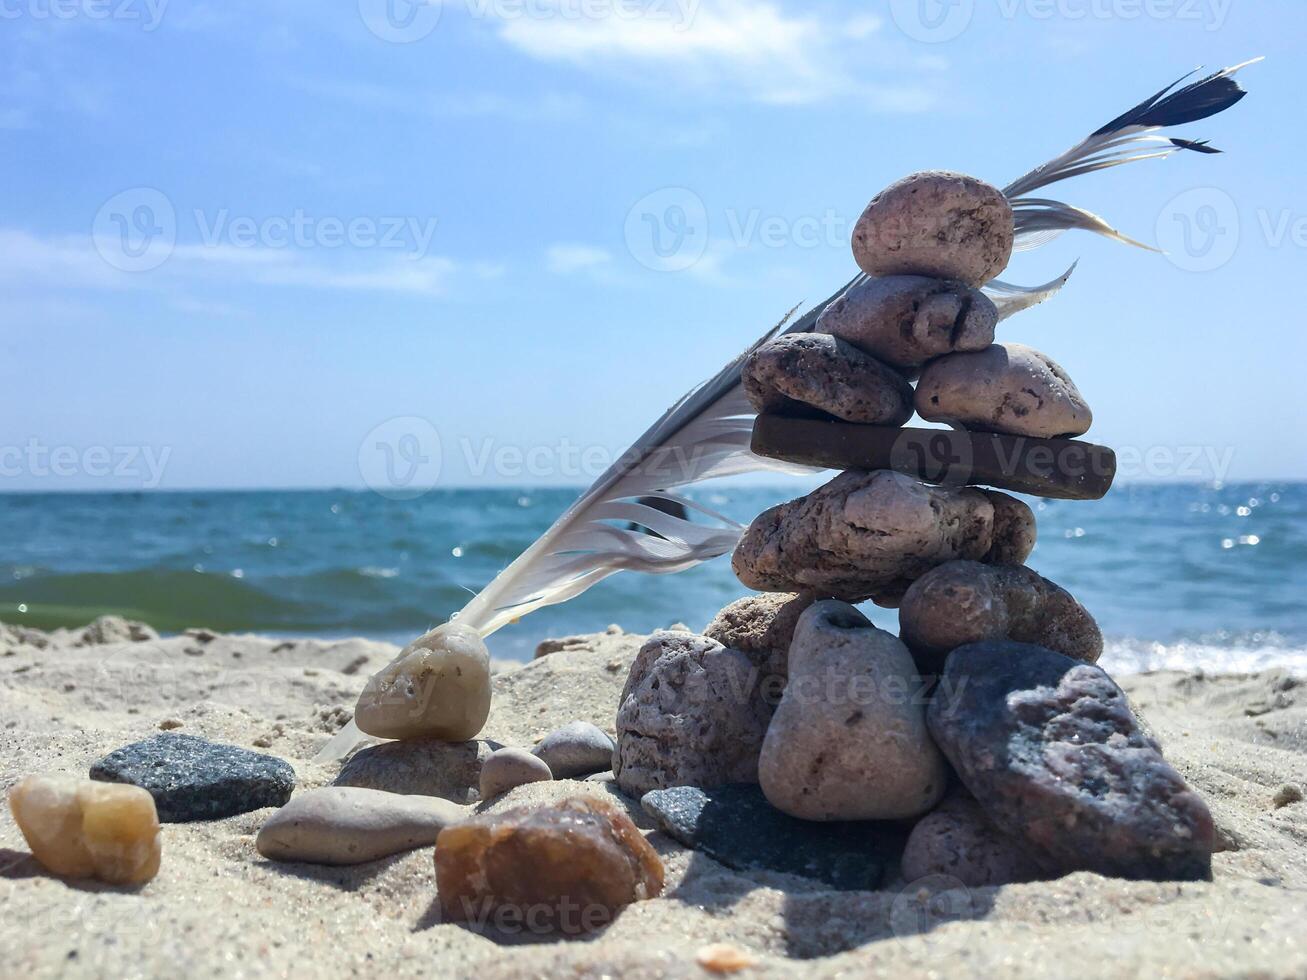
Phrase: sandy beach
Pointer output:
(217, 907)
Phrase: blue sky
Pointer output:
(245, 243)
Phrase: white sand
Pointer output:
(219, 909)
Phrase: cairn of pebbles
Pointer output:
(985, 720)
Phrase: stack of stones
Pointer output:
(985, 722)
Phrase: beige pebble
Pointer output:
(724, 958)
(79, 828)
(510, 767)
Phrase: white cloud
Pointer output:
(744, 48)
(566, 258)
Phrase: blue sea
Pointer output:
(1177, 575)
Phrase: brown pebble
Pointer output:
(724, 958)
(1286, 794)
(168, 724)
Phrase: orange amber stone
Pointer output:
(568, 867)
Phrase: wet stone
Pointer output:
(1050, 748)
(569, 867)
(192, 778)
(736, 826)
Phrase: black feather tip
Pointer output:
(1197, 100)
(1198, 146)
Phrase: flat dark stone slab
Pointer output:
(738, 827)
(192, 778)
(1064, 468)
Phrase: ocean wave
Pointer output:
(1249, 655)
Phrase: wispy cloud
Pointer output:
(566, 258)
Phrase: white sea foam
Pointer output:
(1244, 656)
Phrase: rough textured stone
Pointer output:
(862, 535)
(438, 686)
(966, 601)
(192, 778)
(576, 749)
(761, 627)
(509, 767)
(904, 321)
(798, 373)
(690, 714)
(78, 828)
(115, 629)
(1008, 388)
(348, 825)
(738, 827)
(420, 767)
(957, 839)
(571, 866)
(849, 740)
(936, 223)
(1050, 748)
(1015, 531)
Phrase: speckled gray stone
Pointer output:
(690, 714)
(936, 223)
(1006, 387)
(904, 321)
(1050, 748)
(761, 627)
(862, 535)
(738, 827)
(420, 766)
(849, 740)
(965, 602)
(576, 749)
(192, 778)
(957, 839)
(815, 373)
(1015, 531)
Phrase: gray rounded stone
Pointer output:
(690, 715)
(957, 839)
(349, 825)
(1050, 748)
(576, 749)
(965, 602)
(1015, 531)
(192, 778)
(815, 373)
(862, 535)
(849, 740)
(904, 321)
(936, 223)
(420, 767)
(508, 768)
(1007, 388)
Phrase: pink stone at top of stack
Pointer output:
(936, 223)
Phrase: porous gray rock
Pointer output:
(936, 223)
(507, 768)
(862, 535)
(690, 715)
(1015, 530)
(439, 686)
(957, 839)
(815, 373)
(420, 767)
(904, 321)
(349, 825)
(761, 627)
(1008, 388)
(1049, 747)
(966, 601)
(849, 739)
(576, 749)
(192, 778)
